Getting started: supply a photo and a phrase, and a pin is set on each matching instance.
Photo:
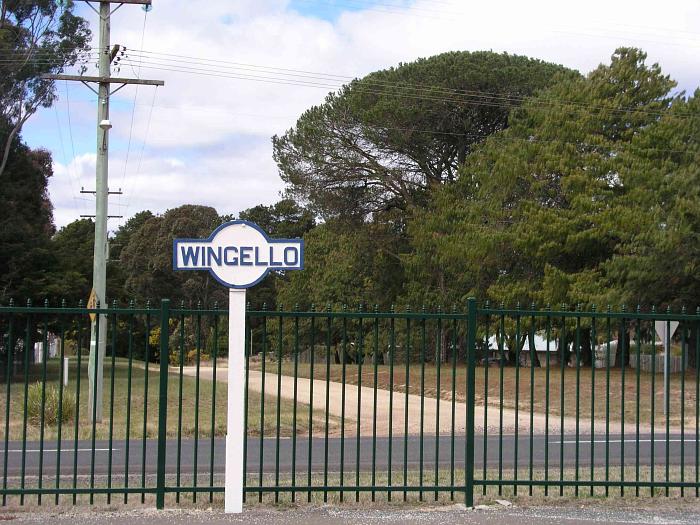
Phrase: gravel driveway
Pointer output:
(398, 412)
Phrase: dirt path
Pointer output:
(434, 413)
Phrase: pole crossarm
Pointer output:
(107, 80)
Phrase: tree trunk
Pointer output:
(8, 147)
(534, 358)
(564, 353)
(445, 350)
(693, 347)
(586, 350)
(513, 349)
(622, 356)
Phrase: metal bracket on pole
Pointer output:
(93, 192)
(105, 80)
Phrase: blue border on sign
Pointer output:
(176, 242)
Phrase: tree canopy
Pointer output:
(26, 224)
(147, 258)
(657, 261)
(284, 219)
(576, 190)
(382, 141)
(343, 265)
(544, 210)
(72, 249)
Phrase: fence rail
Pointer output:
(354, 404)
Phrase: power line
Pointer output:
(143, 147)
(285, 72)
(70, 134)
(142, 57)
(506, 101)
(70, 124)
(608, 36)
(156, 62)
(219, 111)
(133, 109)
(65, 159)
(288, 76)
(492, 136)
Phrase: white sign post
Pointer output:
(665, 331)
(239, 255)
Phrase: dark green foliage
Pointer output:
(147, 258)
(26, 225)
(542, 209)
(284, 219)
(384, 140)
(658, 263)
(346, 265)
(72, 248)
(125, 232)
(560, 189)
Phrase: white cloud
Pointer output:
(209, 138)
(229, 181)
(65, 185)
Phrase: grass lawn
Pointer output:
(209, 402)
(487, 494)
(590, 398)
(598, 497)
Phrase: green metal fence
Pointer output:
(351, 404)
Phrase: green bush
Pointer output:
(50, 405)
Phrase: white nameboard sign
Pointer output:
(239, 255)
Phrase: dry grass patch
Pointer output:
(590, 392)
(203, 406)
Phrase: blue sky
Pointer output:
(330, 11)
(42, 133)
(206, 139)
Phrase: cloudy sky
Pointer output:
(233, 79)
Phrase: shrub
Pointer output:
(50, 405)
(189, 357)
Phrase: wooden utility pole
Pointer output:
(98, 328)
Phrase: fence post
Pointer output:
(162, 401)
(471, 379)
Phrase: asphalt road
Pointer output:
(370, 453)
